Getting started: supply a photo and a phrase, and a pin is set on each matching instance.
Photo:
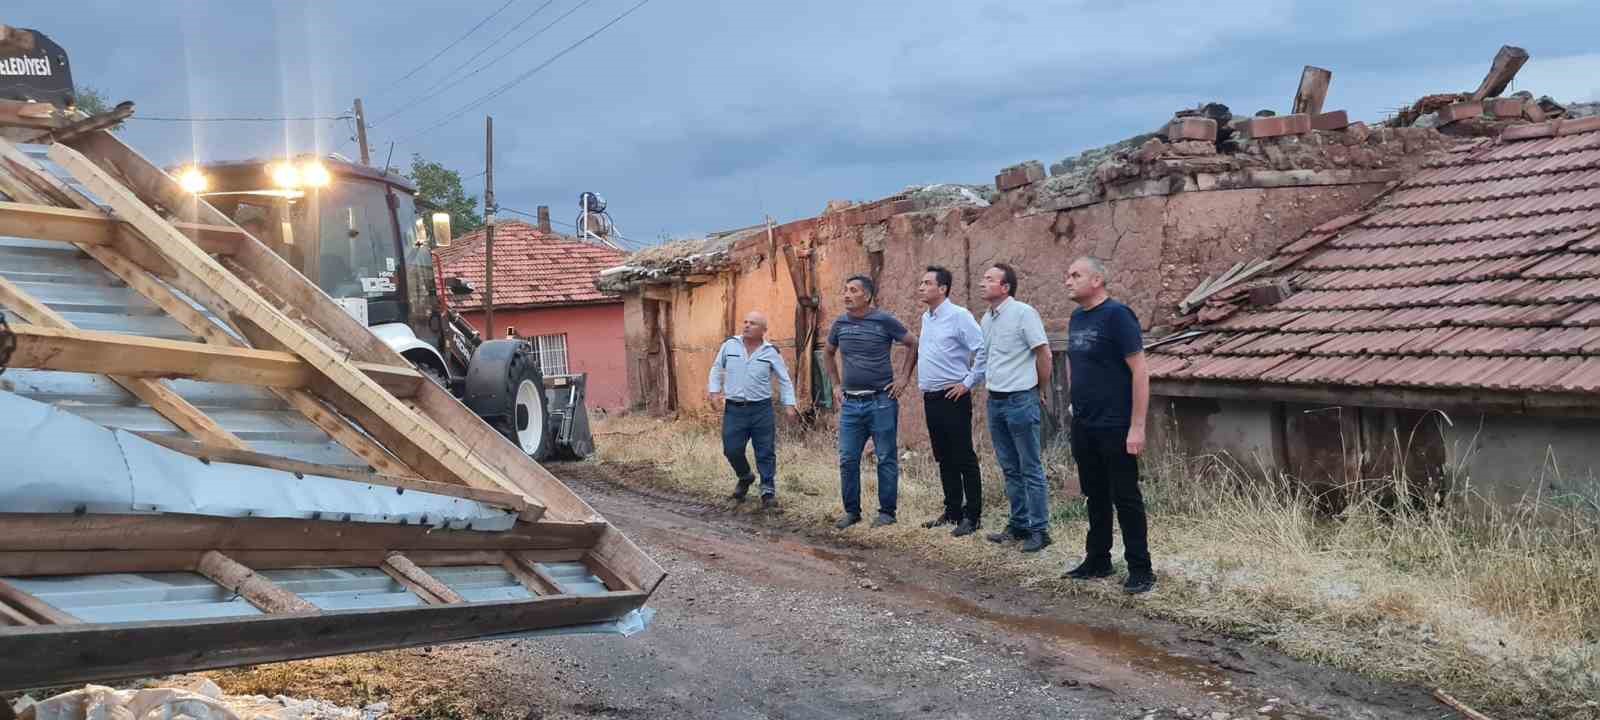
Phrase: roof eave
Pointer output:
(1462, 400)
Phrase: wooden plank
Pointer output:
(419, 441)
(46, 656)
(624, 558)
(41, 612)
(609, 578)
(257, 590)
(1502, 71)
(96, 562)
(12, 616)
(254, 261)
(88, 351)
(359, 444)
(42, 222)
(41, 532)
(155, 394)
(1313, 90)
(28, 115)
(400, 568)
(524, 574)
(545, 578)
(510, 501)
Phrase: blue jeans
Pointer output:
(1014, 426)
(754, 425)
(878, 416)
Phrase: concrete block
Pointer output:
(1017, 176)
(1336, 120)
(1277, 126)
(1458, 111)
(1192, 128)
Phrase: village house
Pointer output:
(544, 292)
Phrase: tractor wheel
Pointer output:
(505, 388)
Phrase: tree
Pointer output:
(93, 101)
(441, 187)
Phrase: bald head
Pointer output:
(755, 326)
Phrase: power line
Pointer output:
(524, 76)
(451, 76)
(308, 118)
(630, 243)
(446, 49)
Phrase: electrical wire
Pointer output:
(524, 76)
(308, 118)
(451, 77)
(446, 49)
(626, 242)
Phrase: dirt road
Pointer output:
(759, 622)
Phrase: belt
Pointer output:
(1001, 395)
(864, 394)
(742, 403)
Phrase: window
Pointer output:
(552, 354)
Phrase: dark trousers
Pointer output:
(1110, 480)
(753, 424)
(950, 432)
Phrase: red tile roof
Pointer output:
(530, 268)
(1481, 272)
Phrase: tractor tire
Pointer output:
(505, 388)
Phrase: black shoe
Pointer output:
(1087, 571)
(967, 527)
(846, 521)
(1139, 583)
(882, 520)
(768, 502)
(1036, 541)
(742, 489)
(941, 520)
(1009, 535)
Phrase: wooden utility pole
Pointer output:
(488, 226)
(361, 133)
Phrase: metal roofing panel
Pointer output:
(143, 597)
(334, 589)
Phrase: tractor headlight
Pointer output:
(193, 181)
(285, 175)
(315, 174)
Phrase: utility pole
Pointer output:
(361, 133)
(488, 226)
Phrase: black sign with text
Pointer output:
(37, 75)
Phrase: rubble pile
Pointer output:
(194, 698)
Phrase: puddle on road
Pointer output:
(1202, 675)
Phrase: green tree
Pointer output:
(441, 187)
(93, 101)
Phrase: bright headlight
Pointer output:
(193, 181)
(315, 174)
(285, 175)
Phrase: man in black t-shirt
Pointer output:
(1110, 393)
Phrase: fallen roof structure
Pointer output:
(209, 463)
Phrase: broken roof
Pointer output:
(531, 268)
(1481, 272)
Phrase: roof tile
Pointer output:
(531, 267)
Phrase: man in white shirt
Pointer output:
(741, 382)
(946, 347)
(1016, 362)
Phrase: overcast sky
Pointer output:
(697, 115)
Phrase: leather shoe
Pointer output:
(941, 520)
(742, 489)
(768, 502)
(967, 527)
(1087, 571)
(1139, 583)
(846, 521)
(1036, 541)
(882, 520)
(1008, 535)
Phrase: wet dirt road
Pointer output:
(758, 622)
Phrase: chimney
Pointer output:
(544, 218)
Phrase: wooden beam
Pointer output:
(597, 567)
(48, 656)
(257, 590)
(98, 562)
(1502, 71)
(1313, 90)
(40, 611)
(88, 351)
(25, 219)
(29, 115)
(419, 581)
(158, 396)
(419, 441)
(509, 501)
(1468, 401)
(530, 580)
(624, 558)
(545, 580)
(63, 532)
(12, 616)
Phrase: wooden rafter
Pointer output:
(418, 581)
(92, 562)
(39, 611)
(414, 438)
(266, 595)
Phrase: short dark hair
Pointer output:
(1010, 274)
(866, 284)
(941, 277)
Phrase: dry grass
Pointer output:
(1499, 606)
